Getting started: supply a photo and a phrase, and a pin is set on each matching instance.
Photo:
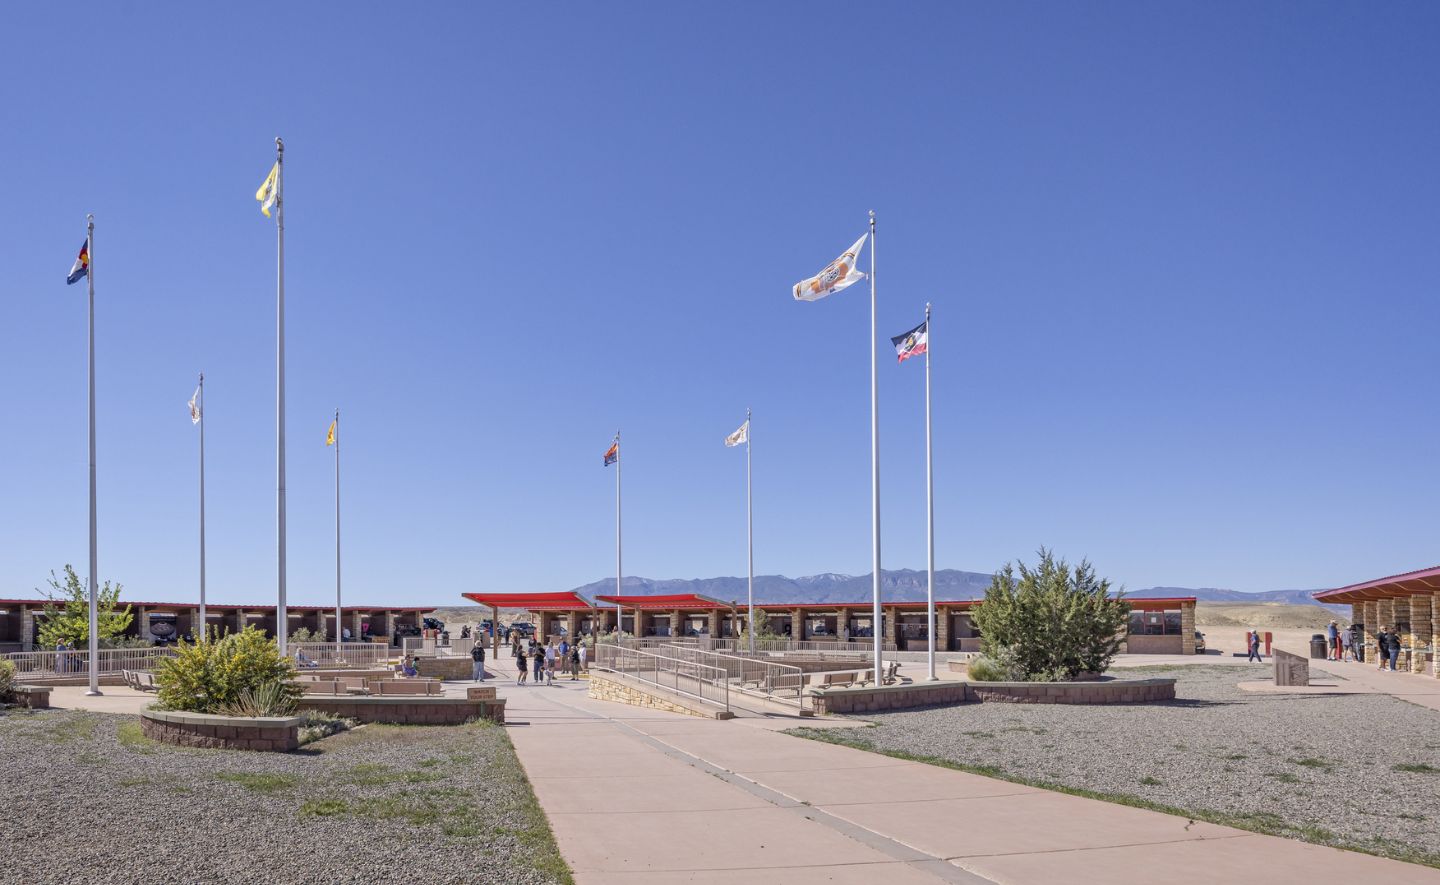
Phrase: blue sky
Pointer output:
(1182, 258)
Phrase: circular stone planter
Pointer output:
(276, 735)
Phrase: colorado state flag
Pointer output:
(82, 265)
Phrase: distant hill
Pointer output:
(1215, 594)
(903, 585)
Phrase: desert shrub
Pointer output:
(205, 677)
(7, 681)
(265, 699)
(306, 635)
(1053, 621)
(317, 724)
(984, 668)
(67, 612)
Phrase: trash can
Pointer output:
(1318, 647)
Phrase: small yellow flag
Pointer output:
(269, 190)
(330, 435)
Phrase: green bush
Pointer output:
(7, 681)
(208, 676)
(1053, 621)
(265, 699)
(987, 669)
(305, 635)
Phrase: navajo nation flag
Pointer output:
(612, 454)
(81, 267)
(912, 343)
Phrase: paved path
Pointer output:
(642, 796)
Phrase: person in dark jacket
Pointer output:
(1254, 647)
(1382, 646)
(477, 658)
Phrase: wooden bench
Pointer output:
(394, 687)
(319, 686)
(140, 680)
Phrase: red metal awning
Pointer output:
(682, 601)
(533, 602)
(1392, 587)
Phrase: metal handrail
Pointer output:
(68, 664)
(797, 645)
(784, 683)
(704, 683)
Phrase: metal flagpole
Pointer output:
(750, 534)
(929, 507)
(94, 689)
(875, 465)
(339, 621)
(204, 624)
(282, 615)
(619, 572)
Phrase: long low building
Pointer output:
(167, 621)
(1407, 605)
(1156, 626)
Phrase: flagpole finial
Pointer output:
(279, 145)
(90, 219)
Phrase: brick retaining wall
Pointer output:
(605, 688)
(407, 710)
(221, 732)
(928, 694)
(448, 667)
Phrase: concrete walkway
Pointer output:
(642, 796)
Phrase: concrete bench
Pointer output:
(318, 686)
(392, 687)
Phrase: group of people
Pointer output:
(1388, 644)
(544, 660)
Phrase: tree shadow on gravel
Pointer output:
(1191, 704)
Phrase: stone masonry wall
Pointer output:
(604, 689)
(901, 697)
(1419, 631)
(222, 732)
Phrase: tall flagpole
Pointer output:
(94, 689)
(204, 624)
(282, 615)
(339, 623)
(929, 506)
(750, 538)
(875, 465)
(619, 571)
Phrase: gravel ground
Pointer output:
(1329, 769)
(95, 801)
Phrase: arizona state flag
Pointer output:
(82, 265)
(912, 343)
(612, 454)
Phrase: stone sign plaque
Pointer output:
(1291, 669)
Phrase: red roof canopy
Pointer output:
(533, 602)
(687, 601)
(1392, 587)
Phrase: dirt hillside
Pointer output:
(1263, 615)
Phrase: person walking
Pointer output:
(1382, 646)
(520, 665)
(1254, 647)
(1394, 650)
(477, 659)
(584, 652)
(1346, 640)
(1332, 641)
(538, 655)
(550, 663)
(574, 663)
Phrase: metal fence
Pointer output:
(769, 646)
(72, 664)
(349, 654)
(776, 681)
(669, 671)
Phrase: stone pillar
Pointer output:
(713, 623)
(242, 618)
(1435, 629)
(197, 626)
(1420, 614)
(142, 622)
(572, 624)
(27, 629)
(1406, 633)
(1372, 624)
(842, 625)
(542, 626)
(892, 627)
(1187, 628)
(355, 621)
(797, 625)
(1384, 614)
(942, 628)
(676, 624)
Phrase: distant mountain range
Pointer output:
(903, 585)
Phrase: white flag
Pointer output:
(839, 274)
(741, 435)
(195, 407)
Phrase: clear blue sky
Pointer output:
(1183, 259)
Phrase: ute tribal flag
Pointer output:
(839, 274)
(741, 435)
(81, 266)
(269, 189)
(912, 343)
(195, 407)
(612, 454)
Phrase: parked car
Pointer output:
(524, 628)
(1199, 643)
